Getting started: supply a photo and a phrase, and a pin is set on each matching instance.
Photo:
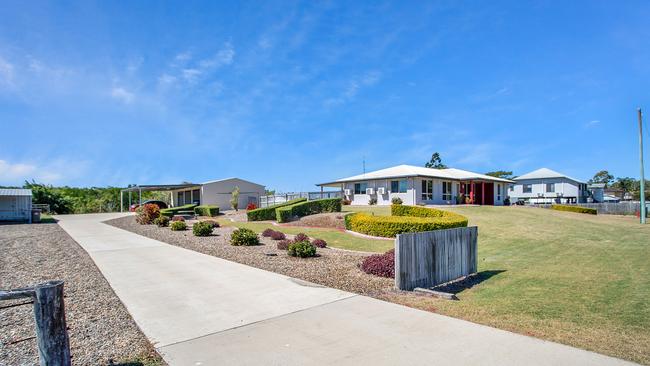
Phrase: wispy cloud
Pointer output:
(15, 173)
(6, 72)
(352, 89)
(122, 95)
(592, 123)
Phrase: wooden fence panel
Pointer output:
(427, 259)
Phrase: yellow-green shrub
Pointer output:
(578, 209)
(405, 219)
(268, 213)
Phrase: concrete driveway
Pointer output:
(202, 310)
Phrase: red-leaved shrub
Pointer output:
(284, 244)
(178, 218)
(147, 214)
(319, 243)
(380, 264)
(277, 235)
(300, 237)
(251, 206)
(267, 232)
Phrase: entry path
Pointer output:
(202, 310)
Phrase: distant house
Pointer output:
(216, 192)
(548, 186)
(418, 185)
(16, 204)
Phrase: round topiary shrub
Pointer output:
(178, 226)
(277, 235)
(267, 232)
(302, 249)
(382, 265)
(396, 201)
(245, 237)
(162, 221)
(284, 244)
(214, 224)
(300, 237)
(178, 218)
(319, 243)
(202, 228)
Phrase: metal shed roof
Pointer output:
(15, 192)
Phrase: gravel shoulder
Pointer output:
(333, 268)
(101, 331)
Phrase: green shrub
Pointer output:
(302, 249)
(578, 209)
(202, 228)
(306, 208)
(372, 201)
(268, 213)
(396, 201)
(206, 210)
(170, 212)
(162, 221)
(178, 226)
(245, 237)
(405, 219)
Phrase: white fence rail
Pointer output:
(270, 200)
(610, 208)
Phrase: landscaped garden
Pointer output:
(582, 280)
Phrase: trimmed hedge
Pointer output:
(202, 228)
(268, 213)
(170, 212)
(578, 209)
(284, 214)
(207, 210)
(405, 219)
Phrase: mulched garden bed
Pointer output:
(101, 331)
(332, 268)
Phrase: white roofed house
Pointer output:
(16, 204)
(418, 185)
(548, 186)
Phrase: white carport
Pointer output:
(15, 204)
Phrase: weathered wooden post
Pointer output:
(49, 314)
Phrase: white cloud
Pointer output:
(6, 72)
(224, 57)
(592, 123)
(183, 56)
(122, 95)
(51, 172)
(190, 75)
(352, 89)
(166, 80)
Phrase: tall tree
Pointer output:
(435, 162)
(500, 174)
(602, 176)
(626, 184)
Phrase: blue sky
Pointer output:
(289, 94)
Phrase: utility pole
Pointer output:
(642, 182)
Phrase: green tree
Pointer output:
(501, 174)
(49, 195)
(234, 200)
(602, 176)
(435, 162)
(626, 184)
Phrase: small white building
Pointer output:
(15, 204)
(548, 186)
(216, 192)
(418, 185)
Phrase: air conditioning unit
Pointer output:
(370, 191)
(348, 192)
(381, 190)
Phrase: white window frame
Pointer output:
(446, 191)
(427, 190)
(552, 185)
(361, 190)
(529, 190)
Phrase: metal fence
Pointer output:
(273, 199)
(609, 208)
(429, 258)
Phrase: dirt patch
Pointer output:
(101, 331)
(332, 268)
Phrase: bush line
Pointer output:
(578, 209)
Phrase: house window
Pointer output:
(528, 188)
(360, 188)
(188, 197)
(446, 191)
(180, 199)
(398, 186)
(427, 190)
(196, 196)
(550, 187)
(511, 188)
(498, 192)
